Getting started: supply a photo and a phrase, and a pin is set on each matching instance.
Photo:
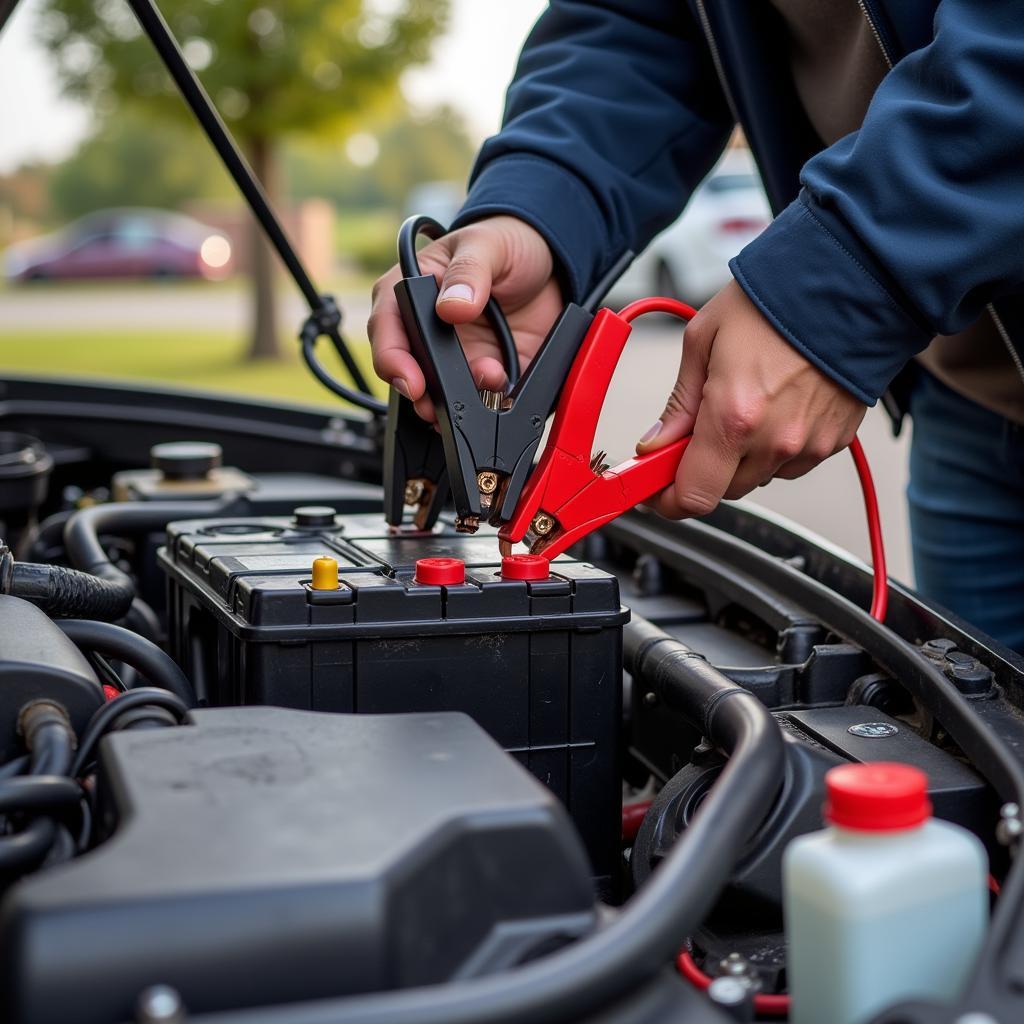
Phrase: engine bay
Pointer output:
(410, 782)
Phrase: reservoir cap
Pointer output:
(880, 796)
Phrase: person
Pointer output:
(888, 136)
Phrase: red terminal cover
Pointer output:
(440, 572)
(881, 796)
(525, 567)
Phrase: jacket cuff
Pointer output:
(552, 200)
(813, 282)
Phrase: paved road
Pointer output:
(827, 501)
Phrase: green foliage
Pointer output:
(366, 237)
(272, 66)
(201, 360)
(132, 162)
(412, 150)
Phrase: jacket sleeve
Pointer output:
(614, 116)
(910, 226)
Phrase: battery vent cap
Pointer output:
(440, 572)
(525, 567)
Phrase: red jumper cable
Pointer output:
(572, 492)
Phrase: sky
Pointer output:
(469, 70)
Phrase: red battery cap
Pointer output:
(525, 567)
(440, 572)
(880, 796)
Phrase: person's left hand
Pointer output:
(756, 407)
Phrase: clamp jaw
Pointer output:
(572, 492)
(488, 439)
(415, 472)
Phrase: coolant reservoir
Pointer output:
(884, 905)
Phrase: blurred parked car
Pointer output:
(123, 243)
(690, 259)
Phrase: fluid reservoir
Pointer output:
(884, 905)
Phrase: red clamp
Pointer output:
(571, 492)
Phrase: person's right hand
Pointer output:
(500, 255)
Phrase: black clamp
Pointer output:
(485, 442)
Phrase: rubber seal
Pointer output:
(440, 572)
(525, 567)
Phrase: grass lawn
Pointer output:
(209, 360)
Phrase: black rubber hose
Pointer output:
(62, 591)
(85, 552)
(107, 715)
(655, 923)
(82, 531)
(144, 656)
(48, 736)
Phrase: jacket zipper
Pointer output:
(716, 57)
(873, 25)
(1004, 334)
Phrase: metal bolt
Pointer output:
(542, 524)
(159, 1004)
(413, 492)
(873, 730)
(1010, 826)
(733, 995)
(487, 482)
(650, 699)
(737, 966)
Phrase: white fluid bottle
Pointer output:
(886, 904)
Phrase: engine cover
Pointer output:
(537, 664)
(259, 855)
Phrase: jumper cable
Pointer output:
(571, 492)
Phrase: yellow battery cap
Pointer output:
(325, 573)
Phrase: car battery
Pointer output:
(535, 660)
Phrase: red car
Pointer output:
(123, 243)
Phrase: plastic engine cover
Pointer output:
(536, 663)
(262, 855)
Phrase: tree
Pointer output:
(114, 167)
(410, 149)
(273, 67)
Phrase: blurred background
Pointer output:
(125, 252)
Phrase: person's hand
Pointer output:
(756, 407)
(503, 255)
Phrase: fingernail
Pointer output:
(652, 433)
(401, 387)
(462, 292)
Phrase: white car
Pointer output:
(689, 260)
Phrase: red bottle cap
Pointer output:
(881, 796)
(440, 572)
(525, 567)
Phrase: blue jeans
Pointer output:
(966, 498)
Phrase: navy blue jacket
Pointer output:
(902, 230)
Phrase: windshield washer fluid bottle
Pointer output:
(884, 905)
